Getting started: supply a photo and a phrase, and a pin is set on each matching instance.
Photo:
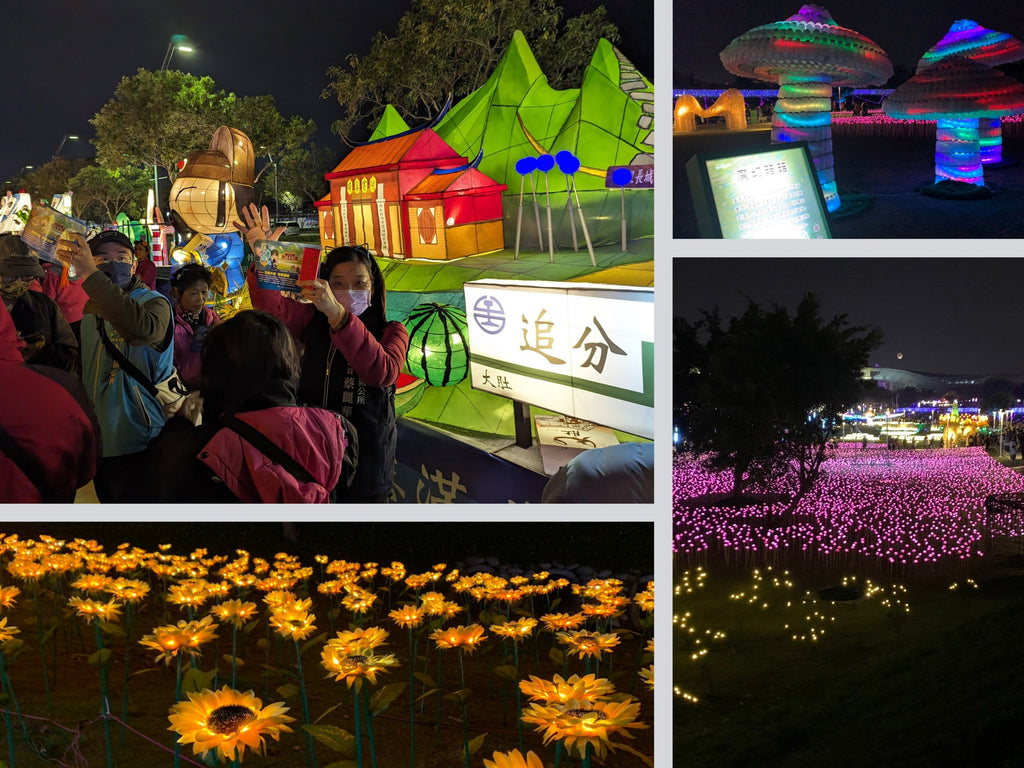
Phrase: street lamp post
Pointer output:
(176, 43)
(60, 146)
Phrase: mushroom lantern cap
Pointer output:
(809, 44)
(956, 88)
(970, 39)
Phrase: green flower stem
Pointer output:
(234, 650)
(412, 701)
(127, 646)
(519, 697)
(438, 724)
(266, 662)
(369, 732)
(14, 700)
(558, 753)
(7, 717)
(103, 691)
(42, 647)
(359, 730)
(586, 756)
(177, 698)
(310, 744)
(465, 715)
(177, 678)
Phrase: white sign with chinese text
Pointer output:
(581, 349)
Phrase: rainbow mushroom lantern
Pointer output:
(808, 55)
(956, 92)
(985, 46)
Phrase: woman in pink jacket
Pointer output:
(352, 355)
(256, 444)
(190, 289)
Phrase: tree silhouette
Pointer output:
(762, 396)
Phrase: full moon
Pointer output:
(899, 355)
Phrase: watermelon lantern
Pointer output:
(437, 344)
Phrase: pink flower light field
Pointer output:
(908, 509)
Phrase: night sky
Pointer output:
(945, 315)
(904, 30)
(63, 59)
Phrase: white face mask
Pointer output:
(355, 302)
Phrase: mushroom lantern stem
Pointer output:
(803, 113)
(958, 151)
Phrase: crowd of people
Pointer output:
(290, 401)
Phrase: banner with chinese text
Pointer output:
(580, 349)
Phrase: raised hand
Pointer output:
(257, 225)
(74, 250)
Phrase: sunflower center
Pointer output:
(583, 714)
(587, 642)
(228, 719)
(350, 663)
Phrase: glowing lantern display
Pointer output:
(955, 92)
(807, 55)
(437, 344)
(214, 184)
(686, 111)
(985, 46)
(730, 105)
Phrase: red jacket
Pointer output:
(71, 298)
(44, 419)
(313, 437)
(145, 270)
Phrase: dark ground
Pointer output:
(887, 171)
(926, 692)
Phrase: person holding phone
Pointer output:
(352, 355)
(122, 313)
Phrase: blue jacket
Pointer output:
(129, 416)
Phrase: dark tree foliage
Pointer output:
(444, 47)
(762, 396)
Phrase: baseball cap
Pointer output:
(110, 236)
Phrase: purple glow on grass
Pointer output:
(900, 507)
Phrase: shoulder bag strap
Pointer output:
(123, 361)
(27, 463)
(268, 448)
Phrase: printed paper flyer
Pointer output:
(45, 226)
(279, 265)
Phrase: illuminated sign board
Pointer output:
(580, 349)
(630, 177)
(764, 193)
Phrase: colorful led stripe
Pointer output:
(807, 55)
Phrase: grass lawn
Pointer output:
(938, 685)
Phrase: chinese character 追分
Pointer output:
(541, 329)
(597, 349)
